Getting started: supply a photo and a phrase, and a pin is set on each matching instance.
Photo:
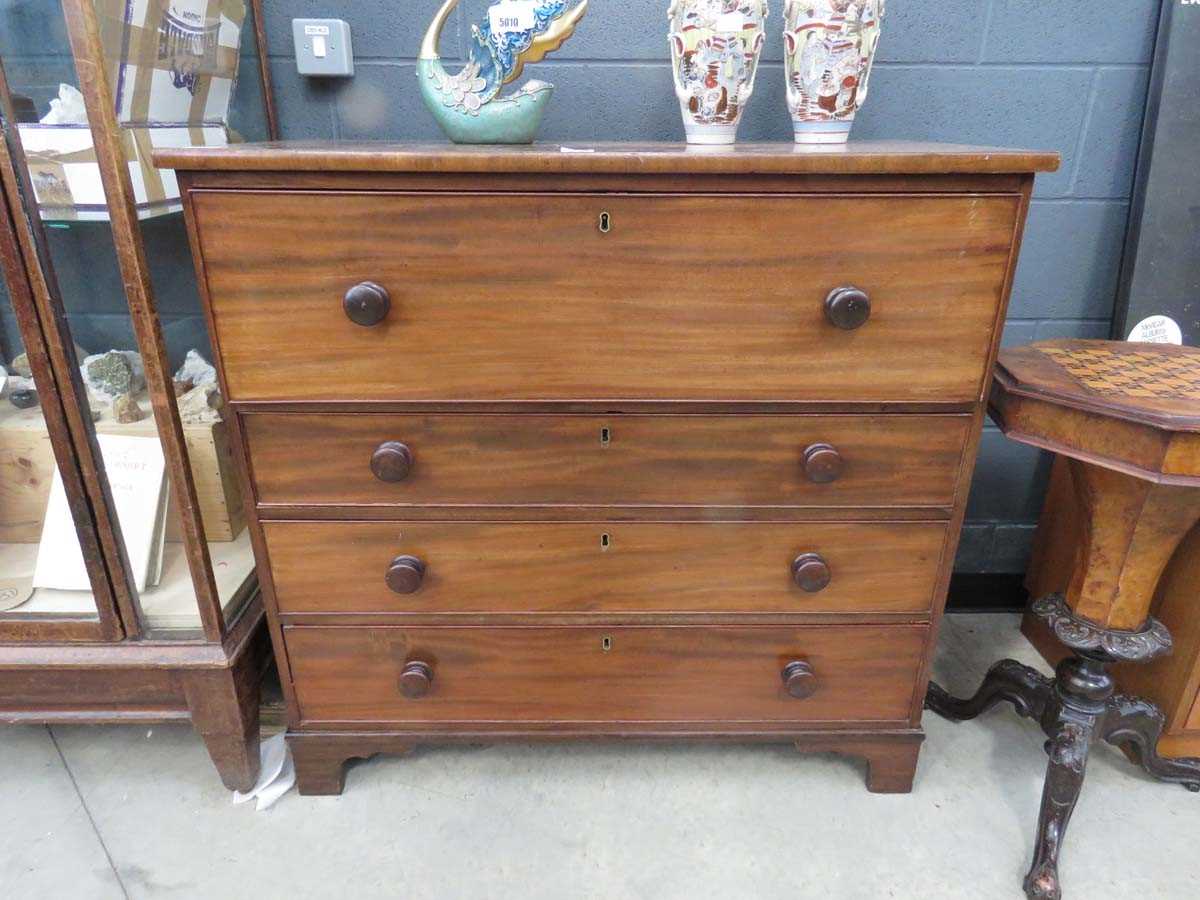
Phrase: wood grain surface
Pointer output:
(523, 298)
(626, 568)
(680, 674)
(310, 459)
(855, 158)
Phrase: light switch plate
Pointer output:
(323, 47)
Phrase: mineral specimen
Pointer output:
(109, 375)
(126, 410)
(196, 369)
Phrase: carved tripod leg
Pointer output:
(1068, 751)
(1138, 723)
(1028, 690)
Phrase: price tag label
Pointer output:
(511, 15)
(1157, 330)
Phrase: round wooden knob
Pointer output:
(847, 308)
(822, 463)
(416, 679)
(391, 461)
(367, 303)
(811, 572)
(799, 679)
(405, 574)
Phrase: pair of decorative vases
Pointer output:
(829, 46)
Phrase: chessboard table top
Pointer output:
(1154, 384)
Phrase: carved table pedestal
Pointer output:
(1127, 418)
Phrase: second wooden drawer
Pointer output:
(701, 460)
(626, 568)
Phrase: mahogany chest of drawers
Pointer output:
(639, 442)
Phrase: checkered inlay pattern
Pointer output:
(1127, 371)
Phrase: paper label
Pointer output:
(14, 591)
(512, 15)
(1157, 330)
(316, 29)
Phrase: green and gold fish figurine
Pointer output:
(468, 105)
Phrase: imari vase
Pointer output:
(829, 46)
(715, 46)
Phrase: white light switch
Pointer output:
(323, 47)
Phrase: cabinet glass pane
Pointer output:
(42, 572)
(180, 73)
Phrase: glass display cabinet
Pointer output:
(127, 584)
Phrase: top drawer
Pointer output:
(525, 297)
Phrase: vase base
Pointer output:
(822, 132)
(710, 134)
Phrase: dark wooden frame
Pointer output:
(107, 669)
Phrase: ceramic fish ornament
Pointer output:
(468, 105)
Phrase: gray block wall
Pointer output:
(1065, 75)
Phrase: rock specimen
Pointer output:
(201, 405)
(196, 369)
(181, 387)
(109, 375)
(126, 410)
(20, 365)
(24, 399)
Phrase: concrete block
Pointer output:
(1017, 332)
(1092, 329)
(1108, 159)
(940, 31)
(1071, 31)
(304, 105)
(1070, 260)
(381, 102)
(1001, 107)
(1010, 481)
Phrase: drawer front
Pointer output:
(607, 461)
(627, 568)
(630, 674)
(507, 297)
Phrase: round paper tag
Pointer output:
(1157, 330)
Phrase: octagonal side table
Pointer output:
(1126, 417)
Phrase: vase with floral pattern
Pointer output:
(829, 46)
(715, 45)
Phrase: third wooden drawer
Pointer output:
(702, 568)
(617, 460)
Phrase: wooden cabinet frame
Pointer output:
(107, 668)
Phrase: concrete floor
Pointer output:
(126, 812)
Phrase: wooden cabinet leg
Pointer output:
(321, 758)
(320, 768)
(892, 768)
(891, 761)
(224, 707)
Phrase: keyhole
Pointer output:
(605, 223)
(606, 643)
(605, 541)
(605, 437)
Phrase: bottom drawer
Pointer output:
(852, 673)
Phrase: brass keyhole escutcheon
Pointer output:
(605, 223)
(605, 436)
(605, 541)
(606, 643)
